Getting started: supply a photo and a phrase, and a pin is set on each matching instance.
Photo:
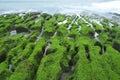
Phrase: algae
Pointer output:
(58, 47)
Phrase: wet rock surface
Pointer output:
(40, 46)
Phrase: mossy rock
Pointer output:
(116, 45)
(24, 71)
(4, 71)
(43, 49)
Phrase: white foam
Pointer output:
(18, 11)
(99, 7)
(68, 6)
(96, 36)
(110, 6)
(64, 22)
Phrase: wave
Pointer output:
(17, 11)
(94, 7)
(110, 6)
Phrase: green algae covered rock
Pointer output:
(60, 17)
(50, 67)
(37, 53)
(50, 64)
(24, 71)
(103, 37)
(41, 46)
(4, 71)
(116, 45)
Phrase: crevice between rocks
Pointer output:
(102, 47)
(68, 71)
(87, 52)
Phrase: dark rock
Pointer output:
(2, 57)
(87, 52)
(116, 46)
(21, 29)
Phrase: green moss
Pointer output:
(62, 31)
(30, 23)
(33, 36)
(84, 40)
(20, 20)
(4, 71)
(37, 53)
(82, 69)
(49, 28)
(103, 37)
(46, 16)
(94, 52)
(87, 31)
(14, 54)
(3, 53)
(25, 53)
(37, 25)
(60, 17)
(97, 27)
(113, 59)
(49, 68)
(24, 71)
(59, 50)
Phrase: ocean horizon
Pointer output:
(58, 6)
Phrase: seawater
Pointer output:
(60, 6)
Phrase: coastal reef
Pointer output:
(41, 46)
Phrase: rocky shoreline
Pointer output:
(41, 46)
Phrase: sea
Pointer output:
(60, 6)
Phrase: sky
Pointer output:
(62, 0)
